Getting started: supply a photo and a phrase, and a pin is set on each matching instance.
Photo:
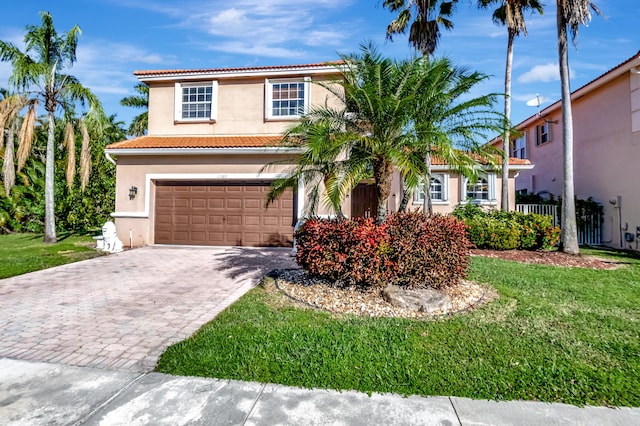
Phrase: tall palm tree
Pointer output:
(425, 16)
(140, 122)
(391, 114)
(39, 72)
(511, 14)
(570, 15)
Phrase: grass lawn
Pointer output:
(555, 334)
(22, 253)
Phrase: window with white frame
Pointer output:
(287, 99)
(439, 189)
(519, 149)
(543, 133)
(482, 191)
(196, 101)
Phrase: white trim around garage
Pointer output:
(202, 177)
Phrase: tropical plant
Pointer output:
(39, 72)
(140, 122)
(509, 13)
(570, 15)
(449, 127)
(10, 121)
(390, 116)
(425, 16)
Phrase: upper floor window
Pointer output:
(196, 101)
(543, 133)
(439, 190)
(483, 191)
(287, 99)
(519, 149)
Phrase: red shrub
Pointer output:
(343, 250)
(427, 251)
(410, 249)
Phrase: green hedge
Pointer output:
(500, 230)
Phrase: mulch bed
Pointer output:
(554, 258)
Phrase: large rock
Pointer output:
(420, 300)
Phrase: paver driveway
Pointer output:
(122, 311)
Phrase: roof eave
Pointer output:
(631, 65)
(205, 74)
(191, 151)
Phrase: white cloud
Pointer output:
(262, 28)
(543, 73)
(241, 48)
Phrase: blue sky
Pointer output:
(121, 36)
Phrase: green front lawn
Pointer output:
(555, 334)
(22, 253)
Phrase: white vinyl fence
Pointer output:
(589, 224)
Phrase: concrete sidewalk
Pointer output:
(35, 393)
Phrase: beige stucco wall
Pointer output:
(241, 109)
(606, 155)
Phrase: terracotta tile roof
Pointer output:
(512, 161)
(177, 142)
(148, 142)
(143, 73)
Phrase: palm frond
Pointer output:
(69, 142)
(26, 135)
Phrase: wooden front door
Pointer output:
(363, 201)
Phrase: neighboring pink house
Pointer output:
(197, 178)
(606, 130)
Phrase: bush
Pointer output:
(347, 251)
(500, 230)
(427, 251)
(410, 250)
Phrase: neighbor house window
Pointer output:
(519, 148)
(196, 101)
(482, 191)
(287, 99)
(543, 133)
(439, 190)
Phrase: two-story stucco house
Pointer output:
(197, 178)
(606, 130)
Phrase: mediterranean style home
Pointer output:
(199, 178)
(606, 131)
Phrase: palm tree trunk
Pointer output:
(406, 197)
(569, 233)
(382, 174)
(506, 138)
(49, 211)
(427, 205)
(8, 166)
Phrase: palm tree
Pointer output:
(391, 115)
(450, 127)
(570, 14)
(140, 122)
(427, 15)
(511, 14)
(38, 72)
(10, 121)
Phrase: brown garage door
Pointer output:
(222, 214)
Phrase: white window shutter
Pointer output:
(178, 102)
(214, 100)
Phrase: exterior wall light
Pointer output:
(132, 192)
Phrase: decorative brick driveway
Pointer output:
(123, 310)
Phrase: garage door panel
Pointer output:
(221, 214)
(199, 203)
(234, 203)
